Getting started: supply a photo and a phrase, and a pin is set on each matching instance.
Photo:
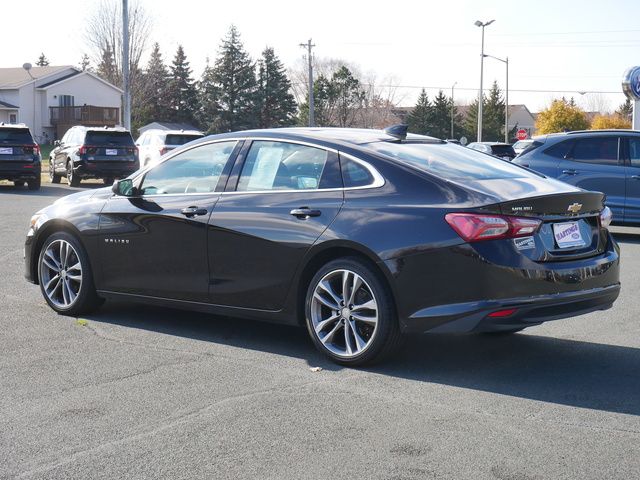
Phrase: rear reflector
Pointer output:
(606, 216)
(503, 313)
(473, 227)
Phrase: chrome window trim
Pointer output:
(378, 179)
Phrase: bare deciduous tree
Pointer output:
(103, 33)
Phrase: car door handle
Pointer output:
(305, 212)
(193, 211)
(635, 177)
(570, 171)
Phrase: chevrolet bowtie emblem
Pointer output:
(574, 207)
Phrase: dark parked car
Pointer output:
(497, 149)
(86, 152)
(19, 156)
(360, 235)
(607, 161)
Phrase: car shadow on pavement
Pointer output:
(557, 370)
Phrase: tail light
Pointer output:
(82, 150)
(507, 312)
(34, 149)
(89, 150)
(474, 227)
(163, 150)
(606, 217)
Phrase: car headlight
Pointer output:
(34, 220)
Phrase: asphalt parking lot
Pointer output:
(139, 392)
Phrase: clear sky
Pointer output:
(565, 46)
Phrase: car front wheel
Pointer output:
(72, 179)
(350, 314)
(65, 276)
(53, 176)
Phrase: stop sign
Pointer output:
(522, 134)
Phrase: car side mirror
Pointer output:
(124, 187)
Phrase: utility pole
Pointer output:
(453, 108)
(309, 46)
(125, 65)
(506, 106)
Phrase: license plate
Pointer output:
(6, 151)
(112, 151)
(568, 235)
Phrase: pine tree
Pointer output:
(276, 105)
(42, 61)
(441, 116)
(233, 80)
(181, 95)
(107, 68)
(85, 63)
(625, 109)
(155, 85)
(419, 120)
(493, 115)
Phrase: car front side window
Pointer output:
(272, 165)
(196, 170)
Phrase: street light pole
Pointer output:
(452, 107)
(506, 100)
(309, 46)
(478, 23)
(27, 67)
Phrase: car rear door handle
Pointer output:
(635, 177)
(305, 212)
(570, 171)
(193, 211)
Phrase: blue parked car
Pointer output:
(606, 161)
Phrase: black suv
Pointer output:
(86, 152)
(19, 156)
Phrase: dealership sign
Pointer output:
(631, 83)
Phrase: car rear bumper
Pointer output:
(455, 289)
(27, 171)
(105, 169)
(529, 311)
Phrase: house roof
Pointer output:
(53, 82)
(4, 105)
(16, 77)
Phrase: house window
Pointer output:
(13, 118)
(65, 100)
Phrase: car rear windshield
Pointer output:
(17, 136)
(181, 139)
(503, 151)
(448, 161)
(108, 138)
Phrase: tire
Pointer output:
(65, 276)
(332, 324)
(53, 176)
(34, 184)
(18, 183)
(72, 179)
(108, 180)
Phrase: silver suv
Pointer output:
(152, 144)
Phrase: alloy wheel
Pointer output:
(61, 273)
(344, 313)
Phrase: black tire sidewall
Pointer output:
(387, 317)
(87, 298)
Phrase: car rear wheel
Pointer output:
(349, 313)
(18, 183)
(34, 184)
(72, 179)
(53, 176)
(65, 276)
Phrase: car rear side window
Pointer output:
(108, 138)
(282, 166)
(197, 170)
(180, 139)
(15, 136)
(354, 174)
(601, 151)
(450, 161)
(559, 150)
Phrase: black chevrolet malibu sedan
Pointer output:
(360, 235)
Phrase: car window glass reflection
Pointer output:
(195, 171)
(282, 166)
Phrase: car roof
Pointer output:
(161, 131)
(346, 136)
(16, 126)
(585, 133)
(100, 129)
